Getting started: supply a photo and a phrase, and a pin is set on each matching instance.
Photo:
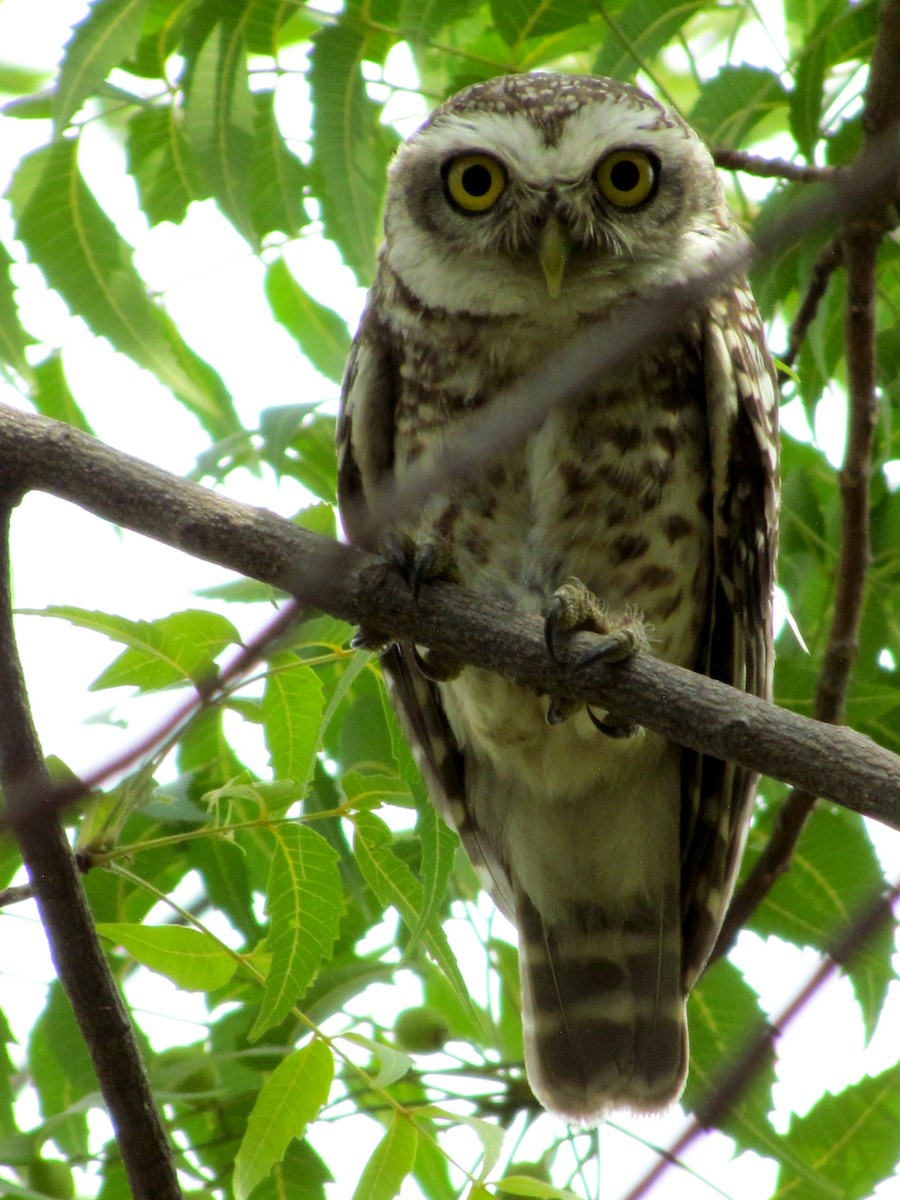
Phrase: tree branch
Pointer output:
(769, 168)
(857, 248)
(350, 584)
(74, 945)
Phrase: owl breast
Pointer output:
(613, 490)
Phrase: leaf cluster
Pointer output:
(276, 856)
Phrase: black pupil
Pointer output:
(476, 180)
(625, 175)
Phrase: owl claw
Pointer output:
(613, 729)
(575, 608)
(436, 666)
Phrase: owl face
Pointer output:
(550, 194)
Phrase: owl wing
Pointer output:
(742, 408)
(365, 448)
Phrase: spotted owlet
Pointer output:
(524, 211)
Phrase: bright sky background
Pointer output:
(212, 285)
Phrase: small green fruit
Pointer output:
(421, 1030)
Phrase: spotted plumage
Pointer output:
(525, 211)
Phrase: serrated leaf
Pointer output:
(834, 874)
(290, 1098)
(439, 844)
(162, 162)
(61, 1071)
(13, 338)
(351, 148)
(301, 1175)
(639, 31)
(219, 116)
(320, 333)
(292, 708)
(83, 257)
(277, 177)
(807, 94)
(180, 648)
(525, 1185)
(106, 36)
(846, 1144)
(737, 99)
(489, 1134)
(518, 20)
(304, 903)
(371, 791)
(390, 1163)
(724, 1017)
(51, 395)
(393, 1064)
(194, 961)
(393, 883)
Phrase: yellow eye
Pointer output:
(626, 177)
(475, 182)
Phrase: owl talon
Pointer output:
(575, 608)
(369, 639)
(435, 665)
(613, 729)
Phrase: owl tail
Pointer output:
(603, 1010)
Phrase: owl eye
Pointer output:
(474, 182)
(627, 177)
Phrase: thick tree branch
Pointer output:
(684, 706)
(74, 944)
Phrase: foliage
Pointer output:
(316, 872)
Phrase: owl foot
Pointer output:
(575, 608)
(419, 565)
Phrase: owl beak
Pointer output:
(553, 252)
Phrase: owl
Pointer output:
(525, 211)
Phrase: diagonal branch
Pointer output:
(74, 945)
(857, 248)
(355, 586)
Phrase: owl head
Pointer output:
(548, 194)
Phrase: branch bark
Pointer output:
(355, 586)
(74, 945)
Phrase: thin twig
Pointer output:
(769, 168)
(74, 945)
(830, 258)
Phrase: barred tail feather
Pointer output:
(603, 1010)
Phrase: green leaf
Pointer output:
(61, 1071)
(106, 36)
(277, 177)
(846, 1144)
(320, 333)
(163, 164)
(219, 116)
(809, 84)
(518, 20)
(51, 393)
(439, 844)
(724, 1017)
(194, 961)
(83, 257)
(834, 874)
(640, 30)
(301, 1175)
(292, 710)
(180, 648)
(304, 903)
(393, 1064)
(393, 883)
(525, 1185)
(290, 1098)
(737, 99)
(351, 149)
(391, 1162)
(13, 338)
